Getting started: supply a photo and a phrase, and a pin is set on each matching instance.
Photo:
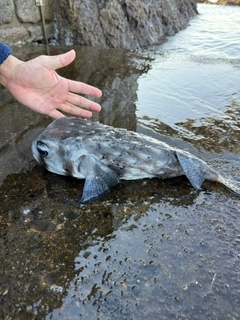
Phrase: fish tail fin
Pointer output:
(232, 185)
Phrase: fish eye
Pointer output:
(42, 149)
(43, 153)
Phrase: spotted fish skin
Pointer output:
(102, 155)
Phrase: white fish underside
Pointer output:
(103, 155)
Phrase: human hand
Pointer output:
(36, 85)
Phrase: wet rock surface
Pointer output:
(161, 252)
(150, 247)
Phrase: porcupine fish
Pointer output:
(102, 155)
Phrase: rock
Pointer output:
(48, 9)
(106, 23)
(229, 2)
(22, 23)
(27, 11)
(14, 35)
(36, 32)
(222, 2)
(121, 23)
(6, 12)
(78, 23)
(114, 25)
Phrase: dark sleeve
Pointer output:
(5, 51)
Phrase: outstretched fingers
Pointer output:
(55, 114)
(77, 100)
(75, 111)
(69, 109)
(83, 88)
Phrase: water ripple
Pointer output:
(194, 79)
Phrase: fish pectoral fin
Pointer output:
(191, 170)
(94, 189)
(99, 178)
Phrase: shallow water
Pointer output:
(155, 248)
(202, 65)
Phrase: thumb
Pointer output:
(60, 60)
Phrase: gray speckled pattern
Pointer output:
(102, 155)
(132, 155)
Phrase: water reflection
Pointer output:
(150, 247)
(210, 90)
(116, 75)
(42, 227)
(205, 134)
(192, 89)
(160, 264)
(48, 240)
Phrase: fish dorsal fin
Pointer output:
(191, 170)
(99, 178)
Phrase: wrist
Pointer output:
(6, 69)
